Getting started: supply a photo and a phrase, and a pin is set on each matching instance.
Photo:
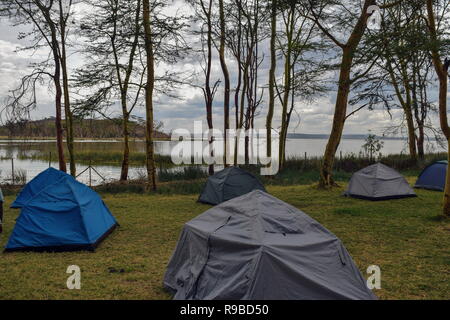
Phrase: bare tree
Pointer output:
(299, 45)
(204, 13)
(49, 22)
(254, 21)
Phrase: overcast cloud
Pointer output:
(181, 113)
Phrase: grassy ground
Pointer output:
(404, 237)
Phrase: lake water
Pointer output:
(13, 148)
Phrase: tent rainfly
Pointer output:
(378, 182)
(227, 184)
(433, 176)
(59, 213)
(257, 247)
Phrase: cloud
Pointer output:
(315, 117)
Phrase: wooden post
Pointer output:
(90, 173)
(12, 171)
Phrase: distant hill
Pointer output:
(87, 128)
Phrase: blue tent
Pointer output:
(433, 176)
(59, 213)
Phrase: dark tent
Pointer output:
(433, 176)
(379, 182)
(59, 213)
(259, 247)
(227, 184)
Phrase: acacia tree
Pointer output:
(48, 20)
(272, 73)
(204, 16)
(150, 64)
(112, 69)
(116, 60)
(65, 13)
(441, 67)
(254, 19)
(422, 105)
(302, 73)
(235, 43)
(357, 26)
(402, 75)
(226, 78)
(398, 55)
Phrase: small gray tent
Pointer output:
(227, 184)
(258, 247)
(379, 182)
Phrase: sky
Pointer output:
(314, 118)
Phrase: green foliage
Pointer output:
(185, 173)
(372, 147)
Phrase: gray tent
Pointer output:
(379, 182)
(259, 247)
(227, 184)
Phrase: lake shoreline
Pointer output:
(27, 158)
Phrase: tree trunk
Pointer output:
(419, 119)
(420, 143)
(409, 113)
(247, 138)
(241, 108)
(151, 170)
(287, 87)
(58, 120)
(446, 206)
(69, 121)
(273, 64)
(411, 134)
(238, 86)
(443, 87)
(226, 76)
(126, 147)
(340, 111)
(124, 92)
(58, 105)
(405, 101)
(442, 73)
(67, 110)
(207, 91)
(348, 50)
(54, 45)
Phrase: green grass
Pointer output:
(405, 237)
